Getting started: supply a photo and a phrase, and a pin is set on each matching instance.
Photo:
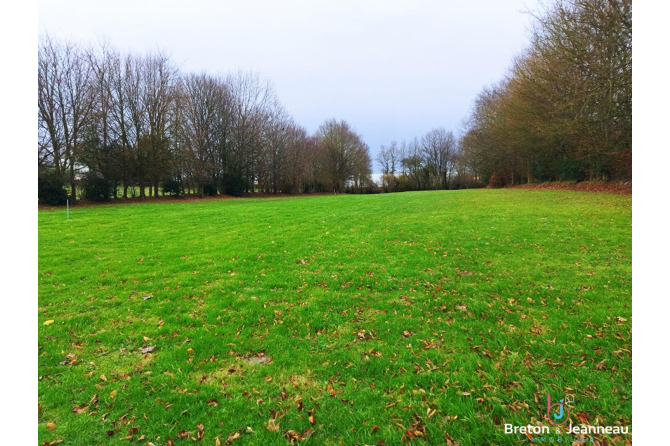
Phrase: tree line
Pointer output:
(564, 110)
(435, 161)
(114, 124)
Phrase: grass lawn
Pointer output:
(426, 317)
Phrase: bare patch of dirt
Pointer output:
(257, 359)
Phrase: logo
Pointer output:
(558, 413)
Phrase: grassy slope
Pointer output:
(501, 294)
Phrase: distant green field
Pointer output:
(346, 319)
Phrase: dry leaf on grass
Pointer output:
(231, 437)
(271, 426)
(80, 409)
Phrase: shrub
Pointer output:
(50, 188)
(234, 185)
(97, 188)
(372, 188)
(401, 183)
(172, 186)
(209, 189)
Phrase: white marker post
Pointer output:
(67, 202)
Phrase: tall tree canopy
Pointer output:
(564, 110)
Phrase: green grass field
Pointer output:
(425, 317)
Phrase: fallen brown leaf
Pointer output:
(582, 417)
(231, 437)
(80, 409)
(293, 436)
(271, 426)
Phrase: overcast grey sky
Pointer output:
(393, 69)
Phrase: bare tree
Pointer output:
(133, 120)
(65, 82)
(414, 164)
(438, 148)
(384, 160)
(159, 94)
(564, 111)
(344, 156)
(50, 130)
(299, 158)
(251, 98)
(202, 103)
